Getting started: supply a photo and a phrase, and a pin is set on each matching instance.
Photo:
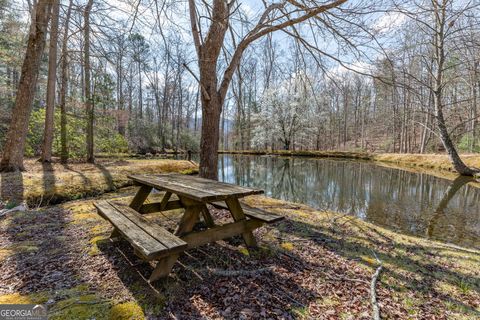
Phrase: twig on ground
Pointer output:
(373, 294)
(80, 302)
(235, 273)
(192, 270)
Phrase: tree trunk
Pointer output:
(13, 151)
(63, 89)
(439, 49)
(52, 79)
(211, 110)
(88, 98)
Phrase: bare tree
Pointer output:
(63, 88)
(89, 108)
(51, 82)
(13, 151)
(208, 50)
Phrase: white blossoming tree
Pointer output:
(285, 113)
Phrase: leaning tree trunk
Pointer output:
(13, 151)
(439, 60)
(457, 162)
(52, 79)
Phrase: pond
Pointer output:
(411, 203)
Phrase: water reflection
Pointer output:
(412, 203)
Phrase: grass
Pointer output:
(53, 183)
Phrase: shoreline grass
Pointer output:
(43, 184)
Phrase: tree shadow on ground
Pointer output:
(107, 175)
(11, 187)
(408, 264)
(191, 286)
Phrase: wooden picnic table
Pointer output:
(153, 242)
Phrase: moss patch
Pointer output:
(127, 311)
(81, 307)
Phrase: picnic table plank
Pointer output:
(195, 194)
(199, 189)
(215, 187)
(171, 242)
(145, 244)
(252, 212)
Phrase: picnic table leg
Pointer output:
(207, 217)
(165, 199)
(163, 267)
(140, 197)
(190, 217)
(115, 234)
(238, 215)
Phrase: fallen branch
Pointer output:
(68, 305)
(373, 294)
(22, 207)
(235, 273)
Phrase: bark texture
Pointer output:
(208, 50)
(13, 151)
(63, 89)
(89, 108)
(51, 82)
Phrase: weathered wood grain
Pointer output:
(238, 215)
(196, 239)
(163, 268)
(194, 187)
(158, 207)
(140, 197)
(149, 240)
(170, 241)
(251, 212)
(145, 244)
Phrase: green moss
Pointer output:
(288, 246)
(81, 307)
(300, 312)
(127, 311)
(22, 247)
(244, 251)
(16, 298)
(94, 245)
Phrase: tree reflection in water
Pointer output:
(412, 203)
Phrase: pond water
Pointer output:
(410, 203)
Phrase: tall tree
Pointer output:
(13, 152)
(51, 82)
(209, 47)
(89, 107)
(63, 88)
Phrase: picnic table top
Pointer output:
(196, 188)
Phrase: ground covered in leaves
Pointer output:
(313, 265)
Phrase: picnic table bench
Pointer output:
(153, 242)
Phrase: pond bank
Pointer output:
(43, 184)
(438, 162)
(313, 265)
